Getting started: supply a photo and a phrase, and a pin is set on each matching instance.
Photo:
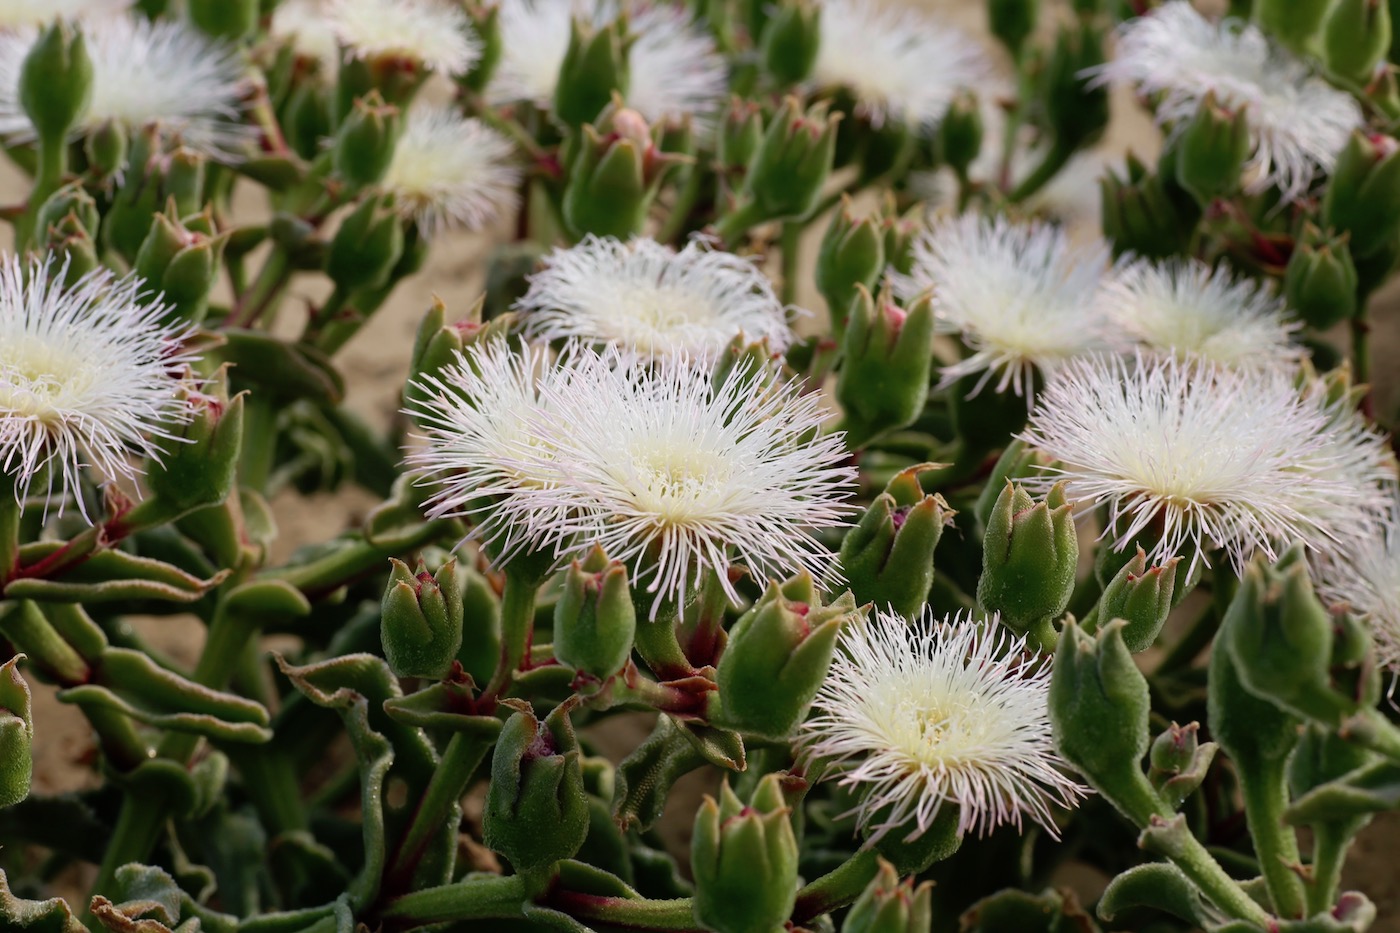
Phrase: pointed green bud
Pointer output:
(105, 150)
(486, 24)
(676, 135)
(594, 67)
(1141, 216)
(230, 20)
(367, 246)
(888, 905)
(1212, 150)
(614, 175)
(745, 861)
(852, 254)
(900, 233)
(594, 619)
(1142, 597)
(1013, 21)
(364, 145)
(1029, 556)
(887, 355)
(750, 360)
(1255, 732)
(55, 81)
(1075, 107)
(793, 161)
(1321, 281)
(1363, 193)
(16, 734)
(421, 624)
(960, 133)
(790, 41)
(740, 134)
(1098, 712)
(1295, 23)
(200, 470)
(1356, 38)
(182, 262)
(72, 199)
(778, 655)
(887, 558)
(536, 808)
(70, 242)
(305, 117)
(1178, 762)
(183, 179)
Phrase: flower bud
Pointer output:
(1140, 215)
(777, 657)
(202, 469)
(1141, 597)
(613, 176)
(183, 179)
(745, 861)
(791, 40)
(960, 133)
(1179, 763)
(486, 24)
(594, 67)
(1321, 281)
(1013, 21)
(594, 619)
(55, 81)
(536, 809)
(888, 905)
(740, 134)
(1363, 193)
(181, 263)
(366, 247)
(105, 150)
(793, 161)
(900, 234)
(1098, 712)
(127, 222)
(364, 145)
(16, 734)
(1295, 23)
(305, 117)
(1356, 38)
(231, 20)
(1075, 107)
(421, 624)
(70, 242)
(69, 199)
(1029, 556)
(887, 558)
(1212, 150)
(852, 254)
(886, 359)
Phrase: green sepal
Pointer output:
(1143, 597)
(366, 247)
(790, 41)
(1029, 557)
(889, 905)
(852, 253)
(421, 627)
(886, 361)
(364, 145)
(1355, 38)
(1321, 280)
(595, 67)
(1363, 193)
(16, 734)
(745, 861)
(1212, 150)
(594, 620)
(791, 165)
(887, 557)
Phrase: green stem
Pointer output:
(327, 329)
(1048, 168)
(675, 915)
(481, 897)
(837, 888)
(11, 511)
(1275, 844)
(1222, 890)
(464, 752)
(139, 825)
(272, 280)
(53, 164)
(679, 217)
(737, 222)
(791, 245)
(270, 780)
(1331, 840)
(517, 628)
(1361, 348)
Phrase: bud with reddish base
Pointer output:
(594, 619)
(421, 620)
(883, 383)
(745, 861)
(614, 173)
(887, 558)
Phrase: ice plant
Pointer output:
(88, 377)
(434, 33)
(900, 63)
(920, 714)
(1298, 122)
(17, 13)
(1020, 296)
(144, 72)
(1364, 577)
(651, 298)
(451, 171)
(1188, 309)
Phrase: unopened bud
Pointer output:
(421, 621)
(960, 133)
(16, 734)
(594, 68)
(888, 905)
(792, 163)
(745, 861)
(740, 134)
(232, 20)
(1029, 556)
(791, 40)
(852, 254)
(1295, 23)
(1141, 216)
(69, 199)
(364, 145)
(614, 176)
(1356, 38)
(594, 619)
(1142, 597)
(201, 470)
(1321, 281)
(1363, 193)
(55, 81)
(1212, 151)
(1179, 763)
(887, 558)
(887, 358)
(366, 247)
(105, 150)
(1075, 107)
(1013, 21)
(181, 262)
(486, 24)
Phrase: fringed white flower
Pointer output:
(648, 297)
(451, 171)
(144, 72)
(1020, 295)
(1186, 308)
(918, 715)
(89, 378)
(675, 68)
(434, 33)
(1365, 576)
(900, 63)
(306, 27)
(679, 477)
(1202, 456)
(19, 13)
(1298, 122)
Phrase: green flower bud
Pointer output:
(486, 24)
(777, 657)
(105, 150)
(745, 861)
(595, 66)
(614, 176)
(960, 133)
(421, 624)
(1295, 23)
(1142, 597)
(1029, 556)
(16, 734)
(437, 344)
(792, 163)
(1321, 281)
(70, 241)
(1076, 109)
(306, 117)
(366, 247)
(887, 357)
(1013, 21)
(594, 620)
(55, 81)
(900, 233)
(181, 263)
(852, 254)
(1141, 216)
(184, 171)
(1212, 151)
(364, 145)
(536, 808)
(1178, 762)
(1098, 713)
(232, 20)
(202, 470)
(1363, 194)
(1255, 732)
(740, 135)
(1356, 38)
(887, 558)
(791, 40)
(888, 905)
(127, 222)
(69, 199)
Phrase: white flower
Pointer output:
(1298, 122)
(678, 477)
(450, 171)
(434, 33)
(304, 24)
(1020, 296)
(900, 63)
(19, 13)
(88, 376)
(916, 715)
(1200, 455)
(1365, 576)
(675, 68)
(648, 297)
(1188, 309)
(143, 72)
